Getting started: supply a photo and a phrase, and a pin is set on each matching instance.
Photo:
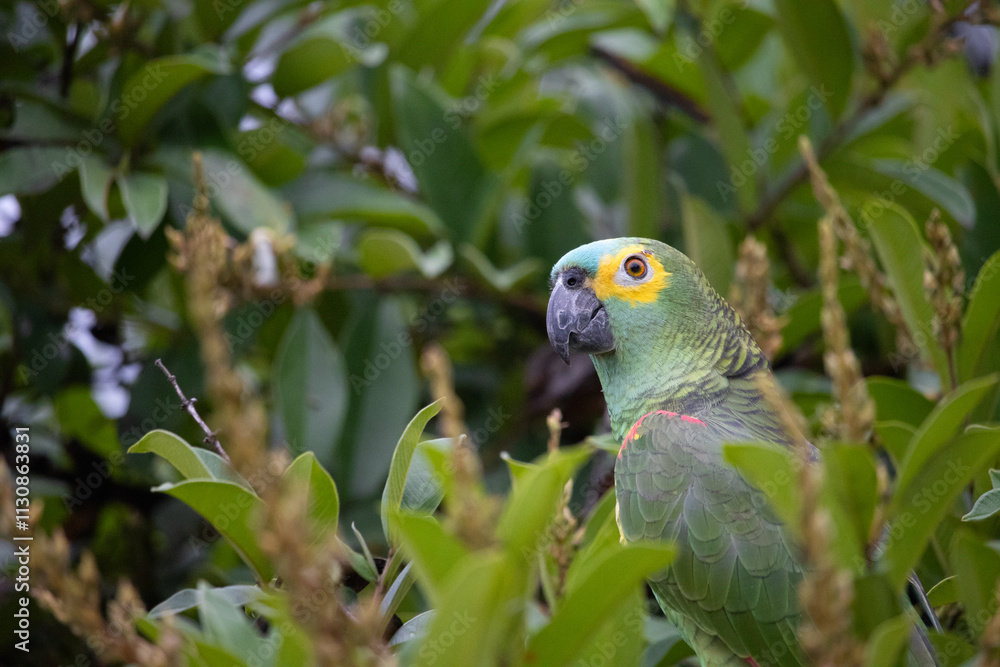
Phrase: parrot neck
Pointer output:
(712, 376)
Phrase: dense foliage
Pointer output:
(323, 216)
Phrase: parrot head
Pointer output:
(609, 294)
(657, 332)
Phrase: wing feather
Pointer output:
(736, 571)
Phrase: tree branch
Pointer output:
(211, 437)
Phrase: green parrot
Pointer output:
(682, 376)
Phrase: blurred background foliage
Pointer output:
(390, 175)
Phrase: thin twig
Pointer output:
(211, 437)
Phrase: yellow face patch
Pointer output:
(611, 282)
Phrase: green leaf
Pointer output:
(243, 200)
(771, 470)
(187, 598)
(518, 470)
(191, 462)
(377, 341)
(321, 52)
(643, 178)
(476, 614)
(324, 503)
(95, 184)
(415, 628)
(901, 250)
(707, 242)
(951, 648)
(608, 442)
(896, 437)
(437, 33)
(896, 400)
(384, 252)
(986, 506)
(402, 459)
(31, 170)
(658, 12)
(571, 30)
(503, 280)
(817, 37)
(977, 569)
(603, 512)
(145, 200)
(874, 602)
(944, 592)
(394, 596)
(981, 323)
(888, 643)
(620, 637)
(226, 625)
(369, 559)
(942, 424)
(451, 174)
(851, 486)
(745, 30)
(424, 490)
(150, 88)
(665, 645)
(310, 384)
(804, 315)
(434, 552)
(918, 505)
(361, 564)
(733, 137)
(943, 190)
(80, 417)
(531, 506)
(296, 645)
(215, 656)
(323, 194)
(232, 510)
(619, 570)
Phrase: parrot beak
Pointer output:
(576, 319)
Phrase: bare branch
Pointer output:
(211, 437)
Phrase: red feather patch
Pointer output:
(635, 427)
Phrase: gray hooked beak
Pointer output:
(576, 320)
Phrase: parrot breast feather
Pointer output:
(733, 583)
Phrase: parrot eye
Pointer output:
(635, 267)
